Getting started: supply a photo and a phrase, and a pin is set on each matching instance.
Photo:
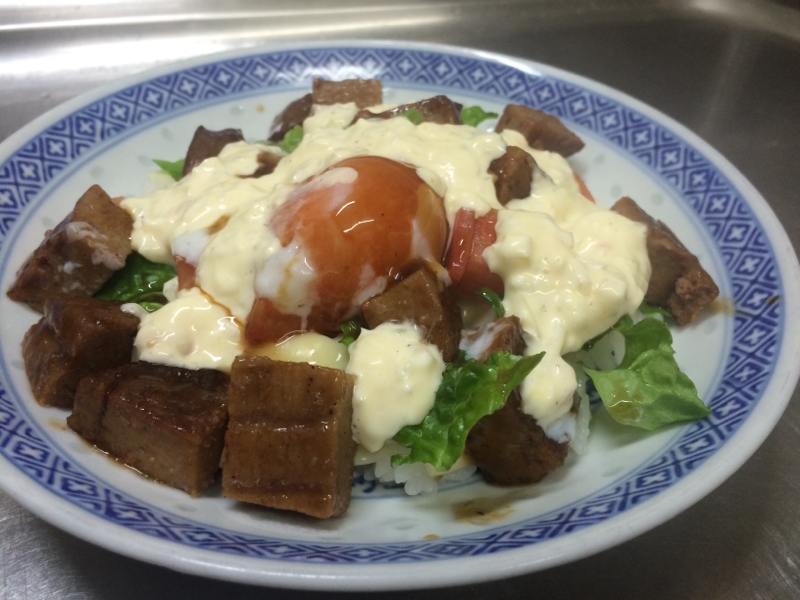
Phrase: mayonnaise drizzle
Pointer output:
(452, 159)
(397, 374)
(191, 332)
(570, 267)
(310, 347)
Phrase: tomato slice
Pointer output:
(461, 245)
(464, 261)
(267, 324)
(583, 189)
(186, 273)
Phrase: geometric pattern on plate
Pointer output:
(713, 201)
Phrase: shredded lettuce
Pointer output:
(496, 301)
(173, 169)
(413, 115)
(649, 309)
(139, 281)
(350, 332)
(475, 115)
(648, 389)
(292, 139)
(469, 391)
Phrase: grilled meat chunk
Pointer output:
(364, 92)
(78, 335)
(294, 114)
(422, 299)
(542, 131)
(167, 422)
(508, 446)
(206, 144)
(501, 334)
(289, 441)
(514, 172)
(511, 449)
(678, 282)
(439, 109)
(79, 255)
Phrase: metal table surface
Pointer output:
(727, 69)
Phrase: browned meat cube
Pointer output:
(364, 92)
(514, 171)
(167, 422)
(678, 282)
(542, 131)
(206, 144)
(501, 334)
(294, 114)
(289, 442)
(78, 335)
(508, 446)
(422, 299)
(511, 449)
(439, 109)
(79, 255)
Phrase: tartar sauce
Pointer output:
(570, 268)
(397, 374)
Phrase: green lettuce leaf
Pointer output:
(468, 392)
(139, 281)
(649, 309)
(350, 332)
(648, 389)
(494, 300)
(475, 115)
(413, 115)
(292, 139)
(173, 169)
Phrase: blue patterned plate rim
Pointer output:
(765, 343)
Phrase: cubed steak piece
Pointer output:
(508, 446)
(422, 299)
(364, 92)
(542, 131)
(501, 334)
(294, 114)
(289, 442)
(678, 282)
(167, 422)
(439, 109)
(514, 174)
(78, 335)
(79, 255)
(206, 144)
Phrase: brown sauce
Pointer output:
(218, 225)
(483, 511)
(59, 424)
(723, 306)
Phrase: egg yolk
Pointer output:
(346, 233)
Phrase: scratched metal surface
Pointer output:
(728, 69)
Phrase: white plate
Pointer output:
(743, 360)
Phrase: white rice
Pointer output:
(416, 478)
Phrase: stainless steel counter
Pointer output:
(728, 69)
